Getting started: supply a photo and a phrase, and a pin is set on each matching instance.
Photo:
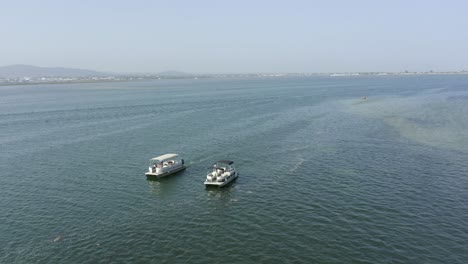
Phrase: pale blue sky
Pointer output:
(239, 36)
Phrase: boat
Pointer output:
(165, 165)
(221, 173)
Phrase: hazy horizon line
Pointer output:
(231, 72)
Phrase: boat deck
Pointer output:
(160, 175)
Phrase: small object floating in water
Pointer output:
(221, 173)
(364, 98)
(165, 165)
(58, 239)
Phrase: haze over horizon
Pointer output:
(213, 37)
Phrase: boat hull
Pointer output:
(167, 173)
(221, 184)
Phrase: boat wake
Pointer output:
(297, 165)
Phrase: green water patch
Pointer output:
(434, 119)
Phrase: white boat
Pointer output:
(221, 173)
(165, 165)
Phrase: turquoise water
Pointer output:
(325, 176)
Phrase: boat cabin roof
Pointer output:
(229, 162)
(165, 157)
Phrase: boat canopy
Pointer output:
(229, 162)
(165, 157)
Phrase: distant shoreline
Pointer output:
(223, 76)
(65, 82)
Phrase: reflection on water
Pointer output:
(222, 196)
(164, 185)
(154, 185)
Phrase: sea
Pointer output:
(344, 169)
